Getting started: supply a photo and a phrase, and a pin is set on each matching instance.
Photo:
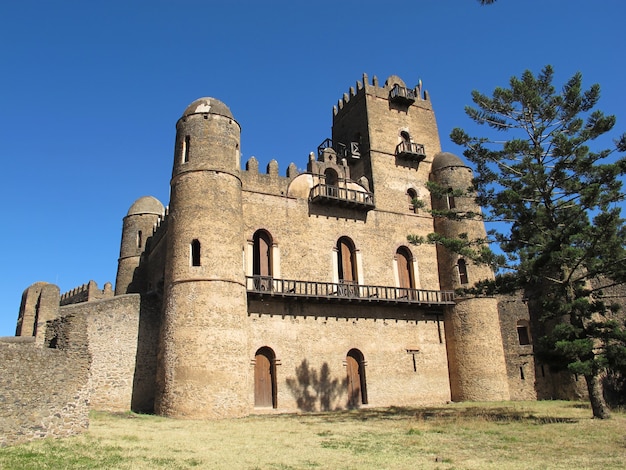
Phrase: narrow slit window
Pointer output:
(186, 149)
(195, 253)
(412, 197)
(463, 271)
(521, 373)
(139, 239)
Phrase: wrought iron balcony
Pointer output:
(410, 151)
(335, 195)
(264, 286)
(402, 95)
(351, 150)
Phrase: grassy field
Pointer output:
(517, 435)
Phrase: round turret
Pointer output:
(204, 279)
(473, 336)
(137, 227)
(207, 138)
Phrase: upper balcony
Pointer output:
(263, 287)
(410, 151)
(402, 95)
(338, 196)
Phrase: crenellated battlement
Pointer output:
(272, 169)
(87, 293)
(394, 89)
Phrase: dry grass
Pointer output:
(484, 435)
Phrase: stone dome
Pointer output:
(208, 105)
(146, 205)
(446, 159)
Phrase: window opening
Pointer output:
(521, 373)
(463, 271)
(523, 332)
(411, 195)
(186, 149)
(450, 199)
(195, 253)
(139, 239)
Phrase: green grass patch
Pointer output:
(530, 435)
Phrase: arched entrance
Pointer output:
(262, 259)
(265, 378)
(357, 386)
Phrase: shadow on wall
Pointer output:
(310, 388)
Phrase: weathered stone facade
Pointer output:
(259, 292)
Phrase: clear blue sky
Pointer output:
(90, 93)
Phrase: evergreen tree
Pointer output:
(558, 204)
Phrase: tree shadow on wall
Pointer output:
(310, 387)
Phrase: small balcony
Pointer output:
(401, 95)
(411, 151)
(346, 292)
(344, 197)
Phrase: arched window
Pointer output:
(265, 378)
(357, 385)
(406, 281)
(463, 279)
(262, 259)
(195, 252)
(346, 263)
(411, 195)
(523, 332)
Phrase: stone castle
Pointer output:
(255, 292)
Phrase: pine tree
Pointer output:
(558, 207)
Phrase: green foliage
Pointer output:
(558, 204)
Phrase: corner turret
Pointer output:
(473, 338)
(137, 227)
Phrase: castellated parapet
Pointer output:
(250, 281)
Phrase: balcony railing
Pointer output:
(351, 150)
(263, 286)
(410, 151)
(400, 94)
(335, 195)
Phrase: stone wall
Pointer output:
(112, 329)
(43, 392)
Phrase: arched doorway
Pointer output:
(406, 280)
(346, 266)
(262, 259)
(331, 179)
(357, 386)
(265, 378)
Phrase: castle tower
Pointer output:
(137, 227)
(473, 338)
(203, 363)
(394, 132)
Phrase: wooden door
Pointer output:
(354, 382)
(263, 380)
(357, 387)
(405, 276)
